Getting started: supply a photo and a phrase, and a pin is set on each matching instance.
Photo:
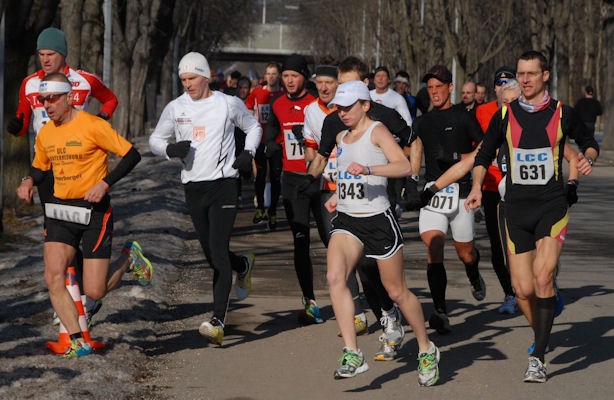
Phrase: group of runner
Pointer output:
(346, 155)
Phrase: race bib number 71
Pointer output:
(294, 151)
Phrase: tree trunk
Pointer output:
(71, 23)
(608, 92)
(20, 44)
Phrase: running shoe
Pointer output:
(360, 324)
(311, 313)
(560, 303)
(428, 366)
(272, 223)
(440, 322)
(536, 371)
(478, 289)
(350, 364)
(77, 349)
(213, 330)
(393, 328)
(259, 216)
(243, 283)
(509, 305)
(139, 265)
(91, 310)
(385, 351)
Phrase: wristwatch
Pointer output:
(26, 178)
(415, 177)
(590, 160)
(573, 182)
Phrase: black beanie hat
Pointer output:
(296, 62)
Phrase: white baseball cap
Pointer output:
(349, 93)
(194, 63)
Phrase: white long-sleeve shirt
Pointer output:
(392, 99)
(209, 124)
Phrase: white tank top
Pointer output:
(362, 194)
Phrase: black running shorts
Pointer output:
(379, 234)
(526, 223)
(96, 237)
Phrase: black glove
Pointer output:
(328, 141)
(297, 130)
(411, 195)
(271, 148)
(572, 193)
(426, 196)
(103, 115)
(179, 149)
(308, 187)
(243, 162)
(15, 125)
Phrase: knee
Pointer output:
(524, 291)
(467, 256)
(96, 294)
(543, 281)
(397, 293)
(336, 279)
(55, 280)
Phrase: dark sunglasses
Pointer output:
(500, 82)
(52, 98)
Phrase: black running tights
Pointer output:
(213, 208)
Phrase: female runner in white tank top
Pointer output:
(367, 155)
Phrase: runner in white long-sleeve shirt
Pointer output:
(203, 123)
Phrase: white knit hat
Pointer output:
(194, 63)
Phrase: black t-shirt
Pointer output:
(390, 118)
(588, 109)
(445, 136)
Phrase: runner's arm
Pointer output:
(159, 139)
(398, 165)
(101, 93)
(23, 116)
(247, 122)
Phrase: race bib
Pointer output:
(532, 166)
(330, 171)
(78, 215)
(351, 189)
(294, 151)
(445, 201)
(264, 111)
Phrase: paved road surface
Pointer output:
(267, 356)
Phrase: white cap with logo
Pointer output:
(349, 93)
(194, 63)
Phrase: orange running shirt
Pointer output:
(77, 153)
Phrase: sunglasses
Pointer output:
(500, 82)
(52, 98)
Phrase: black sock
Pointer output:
(76, 336)
(436, 274)
(471, 269)
(542, 324)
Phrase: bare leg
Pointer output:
(393, 278)
(342, 255)
(57, 258)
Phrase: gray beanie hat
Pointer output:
(52, 39)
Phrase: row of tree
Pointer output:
(474, 36)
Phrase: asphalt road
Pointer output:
(266, 355)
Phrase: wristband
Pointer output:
(368, 170)
(573, 182)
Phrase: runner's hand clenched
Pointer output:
(244, 162)
(179, 149)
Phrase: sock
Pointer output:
(542, 324)
(438, 281)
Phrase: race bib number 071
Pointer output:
(445, 201)
(532, 166)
